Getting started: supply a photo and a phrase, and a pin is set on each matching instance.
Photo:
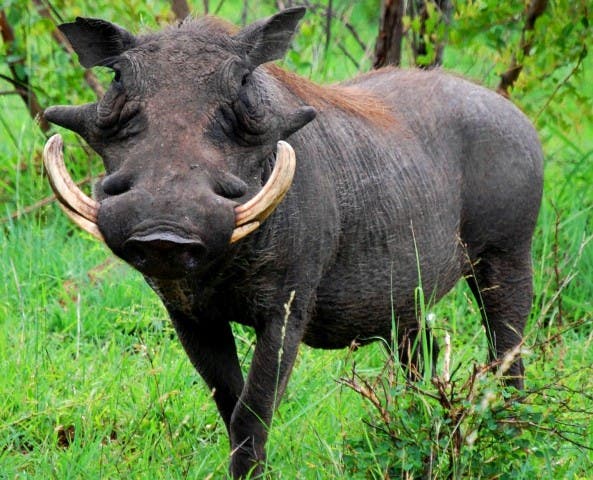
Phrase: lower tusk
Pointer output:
(251, 214)
(82, 222)
(244, 230)
(80, 208)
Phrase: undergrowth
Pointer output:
(468, 425)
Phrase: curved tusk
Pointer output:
(81, 209)
(63, 186)
(82, 222)
(244, 230)
(251, 214)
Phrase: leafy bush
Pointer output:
(468, 424)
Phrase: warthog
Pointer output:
(401, 179)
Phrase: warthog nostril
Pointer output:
(116, 184)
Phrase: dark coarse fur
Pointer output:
(404, 179)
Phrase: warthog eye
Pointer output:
(117, 115)
(250, 108)
(110, 107)
(245, 79)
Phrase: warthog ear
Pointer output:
(269, 39)
(96, 40)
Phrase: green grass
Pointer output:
(95, 384)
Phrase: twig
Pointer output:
(18, 91)
(354, 33)
(334, 15)
(41, 203)
(53, 10)
(15, 82)
(564, 81)
(552, 338)
(419, 46)
(567, 279)
(244, 12)
(328, 24)
(218, 7)
(556, 260)
(366, 391)
(348, 55)
(507, 79)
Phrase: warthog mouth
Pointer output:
(164, 253)
(83, 210)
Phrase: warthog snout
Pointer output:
(158, 253)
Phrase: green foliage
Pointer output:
(551, 87)
(95, 385)
(467, 427)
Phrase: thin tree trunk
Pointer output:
(244, 12)
(507, 79)
(328, 24)
(389, 40)
(180, 9)
(21, 79)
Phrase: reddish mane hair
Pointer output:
(349, 98)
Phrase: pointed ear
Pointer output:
(96, 40)
(269, 39)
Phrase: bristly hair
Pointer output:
(208, 22)
(348, 98)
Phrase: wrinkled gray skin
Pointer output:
(188, 130)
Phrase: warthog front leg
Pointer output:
(275, 352)
(211, 349)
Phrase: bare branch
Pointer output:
(564, 81)
(244, 12)
(335, 15)
(18, 91)
(348, 55)
(507, 79)
(363, 387)
(218, 7)
(328, 24)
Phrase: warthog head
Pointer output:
(188, 130)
